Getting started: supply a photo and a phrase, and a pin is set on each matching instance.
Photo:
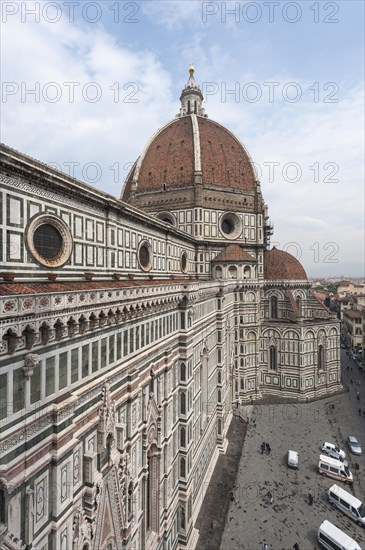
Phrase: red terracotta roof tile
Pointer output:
(234, 253)
(280, 265)
(352, 313)
(11, 289)
(170, 157)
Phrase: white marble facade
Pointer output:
(126, 342)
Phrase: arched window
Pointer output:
(218, 272)
(320, 359)
(182, 437)
(299, 304)
(273, 358)
(274, 307)
(182, 403)
(182, 517)
(182, 372)
(152, 493)
(182, 467)
(130, 500)
(247, 272)
(219, 377)
(195, 107)
(219, 396)
(232, 272)
(189, 107)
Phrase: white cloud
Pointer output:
(113, 131)
(110, 131)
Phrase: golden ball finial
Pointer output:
(191, 68)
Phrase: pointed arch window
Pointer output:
(183, 372)
(182, 403)
(320, 358)
(130, 501)
(182, 517)
(182, 436)
(274, 307)
(273, 358)
(152, 493)
(182, 467)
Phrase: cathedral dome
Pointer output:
(280, 265)
(191, 150)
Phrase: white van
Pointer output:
(334, 468)
(293, 459)
(332, 538)
(347, 503)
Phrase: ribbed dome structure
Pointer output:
(280, 265)
(190, 151)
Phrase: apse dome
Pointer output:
(280, 265)
(188, 152)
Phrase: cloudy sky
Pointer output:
(85, 84)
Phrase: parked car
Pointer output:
(293, 459)
(333, 451)
(354, 445)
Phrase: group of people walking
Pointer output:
(265, 447)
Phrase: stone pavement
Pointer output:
(249, 521)
(216, 502)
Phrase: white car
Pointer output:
(333, 451)
(293, 459)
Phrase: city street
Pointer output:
(251, 519)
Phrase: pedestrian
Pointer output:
(263, 445)
(268, 449)
(310, 498)
(232, 496)
(254, 422)
(359, 412)
(270, 498)
(265, 546)
(296, 546)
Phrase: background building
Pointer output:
(131, 327)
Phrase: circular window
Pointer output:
(230, 225)
(184, 262)
(227, 227)
(145, 256)
(49, 240)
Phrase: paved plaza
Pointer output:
(250, 519)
